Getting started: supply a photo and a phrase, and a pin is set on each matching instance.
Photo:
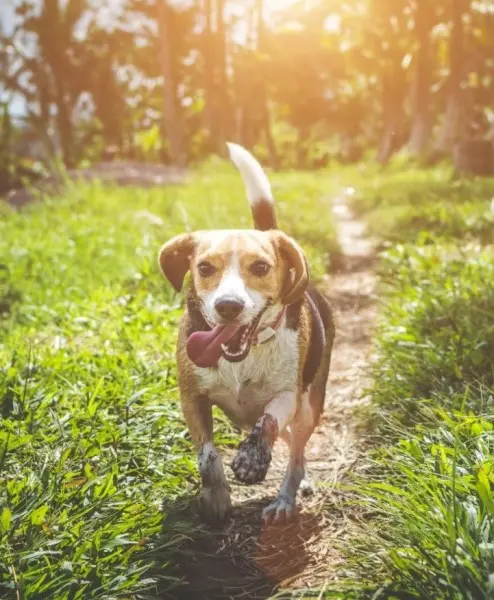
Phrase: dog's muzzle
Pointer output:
(232, 341)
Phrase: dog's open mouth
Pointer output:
(238, 346)
(231, 341)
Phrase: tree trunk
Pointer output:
(387, 144)
(243, 84)
(303, 147)
(263, 91)
(171, 118)
(64, 125)
(451, 127)
(54, 40)
(392, 104)
(421, 121)
(209, 74)
(224, 108)
(489, 27)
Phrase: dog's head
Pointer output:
(236, 276)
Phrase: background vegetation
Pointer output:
(426, 502)
(301, 81)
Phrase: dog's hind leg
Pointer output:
(317, 394)
(214, 498)
(301, 428)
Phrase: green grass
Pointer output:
(438, 334)
(426, 500)
(399, 205)
(428, 492)
(91, 436)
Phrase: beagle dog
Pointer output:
(255, 339)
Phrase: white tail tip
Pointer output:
(255, 179)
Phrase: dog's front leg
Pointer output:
(284, 506)
(214, 498)
(253, 458)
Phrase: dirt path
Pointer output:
(250, 561)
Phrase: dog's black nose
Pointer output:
(228, 308)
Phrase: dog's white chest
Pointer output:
(243, 389)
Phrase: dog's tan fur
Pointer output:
(186, 252)
(267, 391)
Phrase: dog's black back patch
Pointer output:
(324, 309)
(293, 315)
(322, 323)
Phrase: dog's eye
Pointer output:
(206, 269)
(259, 268)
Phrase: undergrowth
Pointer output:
(92, 441)
(428, 492)
(426, 502)
(399, 204)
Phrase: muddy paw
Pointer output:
(280, 511)
(253, 458)
(252, 461)
(214, 503)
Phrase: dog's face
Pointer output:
(236, 276)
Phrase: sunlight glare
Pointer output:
(332, 24)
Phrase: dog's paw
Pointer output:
(214, 503)
(307, 488)
(279, 511)
(253, 458)
(252, 461)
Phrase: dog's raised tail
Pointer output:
(258, 187)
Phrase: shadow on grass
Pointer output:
(243, 559)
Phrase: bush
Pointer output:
(428, 490)
(437, 339)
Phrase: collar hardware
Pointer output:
(266, 334)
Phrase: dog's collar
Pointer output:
(267, 333)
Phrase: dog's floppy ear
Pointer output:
(174, 258)
(296, 282)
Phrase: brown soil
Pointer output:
(247, 560)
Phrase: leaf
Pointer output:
(38, 515)
(39, 554)
(63, 458)
(6, 519)
(119, 541)
(93, 404)
(387, 487)
(484, 488)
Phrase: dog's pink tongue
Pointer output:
(204, 347)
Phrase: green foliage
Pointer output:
(438, 334)
(427, 492)
(430, 497)
(91, 435)
(400, 202)
(15, 170)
